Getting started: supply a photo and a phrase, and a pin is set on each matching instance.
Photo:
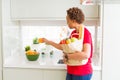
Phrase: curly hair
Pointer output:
(76, 14)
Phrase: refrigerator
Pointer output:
(0, 40)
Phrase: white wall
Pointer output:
(111, 42)
(10, 30)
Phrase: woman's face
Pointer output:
(71, 23)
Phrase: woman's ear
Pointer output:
(73, 21)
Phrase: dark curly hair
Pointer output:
(76, 14)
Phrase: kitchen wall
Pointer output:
(10, 30)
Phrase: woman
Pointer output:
(75, 19)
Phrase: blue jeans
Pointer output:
(76, 77)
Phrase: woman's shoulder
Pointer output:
(86, 31)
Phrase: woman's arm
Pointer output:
(56, 45)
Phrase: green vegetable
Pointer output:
(27, 48)
(35, 41)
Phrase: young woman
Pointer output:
(75, 18)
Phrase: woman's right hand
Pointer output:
(52, 43)
(45, 40)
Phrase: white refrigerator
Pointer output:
(0, 40)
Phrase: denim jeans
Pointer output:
(76, 77)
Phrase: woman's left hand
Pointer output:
(65, 58)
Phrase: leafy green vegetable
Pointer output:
(35, 41)
(27, 48)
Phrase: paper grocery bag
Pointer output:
(75, 46)
(72, 47)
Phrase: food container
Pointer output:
(32, 57)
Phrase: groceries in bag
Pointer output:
(70, 45)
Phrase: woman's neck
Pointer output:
(78, 27)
